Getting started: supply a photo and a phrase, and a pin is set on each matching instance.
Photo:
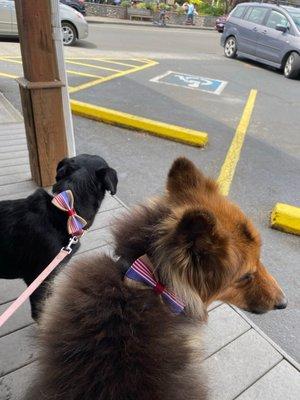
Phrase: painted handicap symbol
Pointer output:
(191, 82)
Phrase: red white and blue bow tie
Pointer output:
(140, 272)
(65, 202)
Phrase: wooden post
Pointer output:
(41, 90)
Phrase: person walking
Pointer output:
(190, 14)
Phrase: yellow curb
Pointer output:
(286, 218)
(173, 132)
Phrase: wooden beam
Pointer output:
(41, 90)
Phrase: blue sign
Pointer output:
(188, 81)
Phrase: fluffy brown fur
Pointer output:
(104, 339)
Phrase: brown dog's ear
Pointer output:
(108, 178)
(185, 179)
(197, 227)
(184, 176)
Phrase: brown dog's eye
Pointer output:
(246, 278)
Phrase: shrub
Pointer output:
(163, 6)
(126, 3)
(151, 6)
(142, 6)
(208, 9)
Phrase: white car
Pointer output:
(73, 23)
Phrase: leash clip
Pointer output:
(73, 240)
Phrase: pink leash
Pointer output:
(36, 283)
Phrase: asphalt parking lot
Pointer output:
(268, 167)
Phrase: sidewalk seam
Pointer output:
(287, 357)
(258, 379)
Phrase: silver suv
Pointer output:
(267, 33)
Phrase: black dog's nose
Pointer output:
(282, 304)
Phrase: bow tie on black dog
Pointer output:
(33, 230)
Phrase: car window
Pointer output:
(296, 17)
(276, 18)
(256, 14)
(238, 11)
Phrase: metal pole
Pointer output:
(57, 36)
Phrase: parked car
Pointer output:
(220, 22)
(73, 24)
(78, 5)
(267, 33)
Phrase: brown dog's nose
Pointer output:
(282, 304)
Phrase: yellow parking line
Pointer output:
(86, 85)
(69, 71)
(110, 77)
(9, 57)
(141, 60)
(92, 66)
(11, 60)
(5, 75)
(233, 154)
(110, 61)
(8, 75)
(79, 58)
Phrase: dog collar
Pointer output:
(65, 202)
(139, 271)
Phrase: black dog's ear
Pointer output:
(65, 168)
(108, 177)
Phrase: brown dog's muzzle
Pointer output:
(263, 293)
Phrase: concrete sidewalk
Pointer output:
(239, 360)
(118, 21)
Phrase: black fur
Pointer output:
(33, 230)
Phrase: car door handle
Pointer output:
(254, 29)
(264, 31)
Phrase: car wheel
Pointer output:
(291, 68)
(68, 33)
(230, 47)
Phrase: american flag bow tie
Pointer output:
(65, 202)
(140, 272)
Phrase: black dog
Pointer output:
(33, 230)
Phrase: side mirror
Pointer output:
(281, 28)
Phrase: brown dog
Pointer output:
(109, 338)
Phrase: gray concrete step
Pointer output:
(17, 349)
(281, 383)
(238, 365)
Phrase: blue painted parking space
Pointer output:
(189, 81)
